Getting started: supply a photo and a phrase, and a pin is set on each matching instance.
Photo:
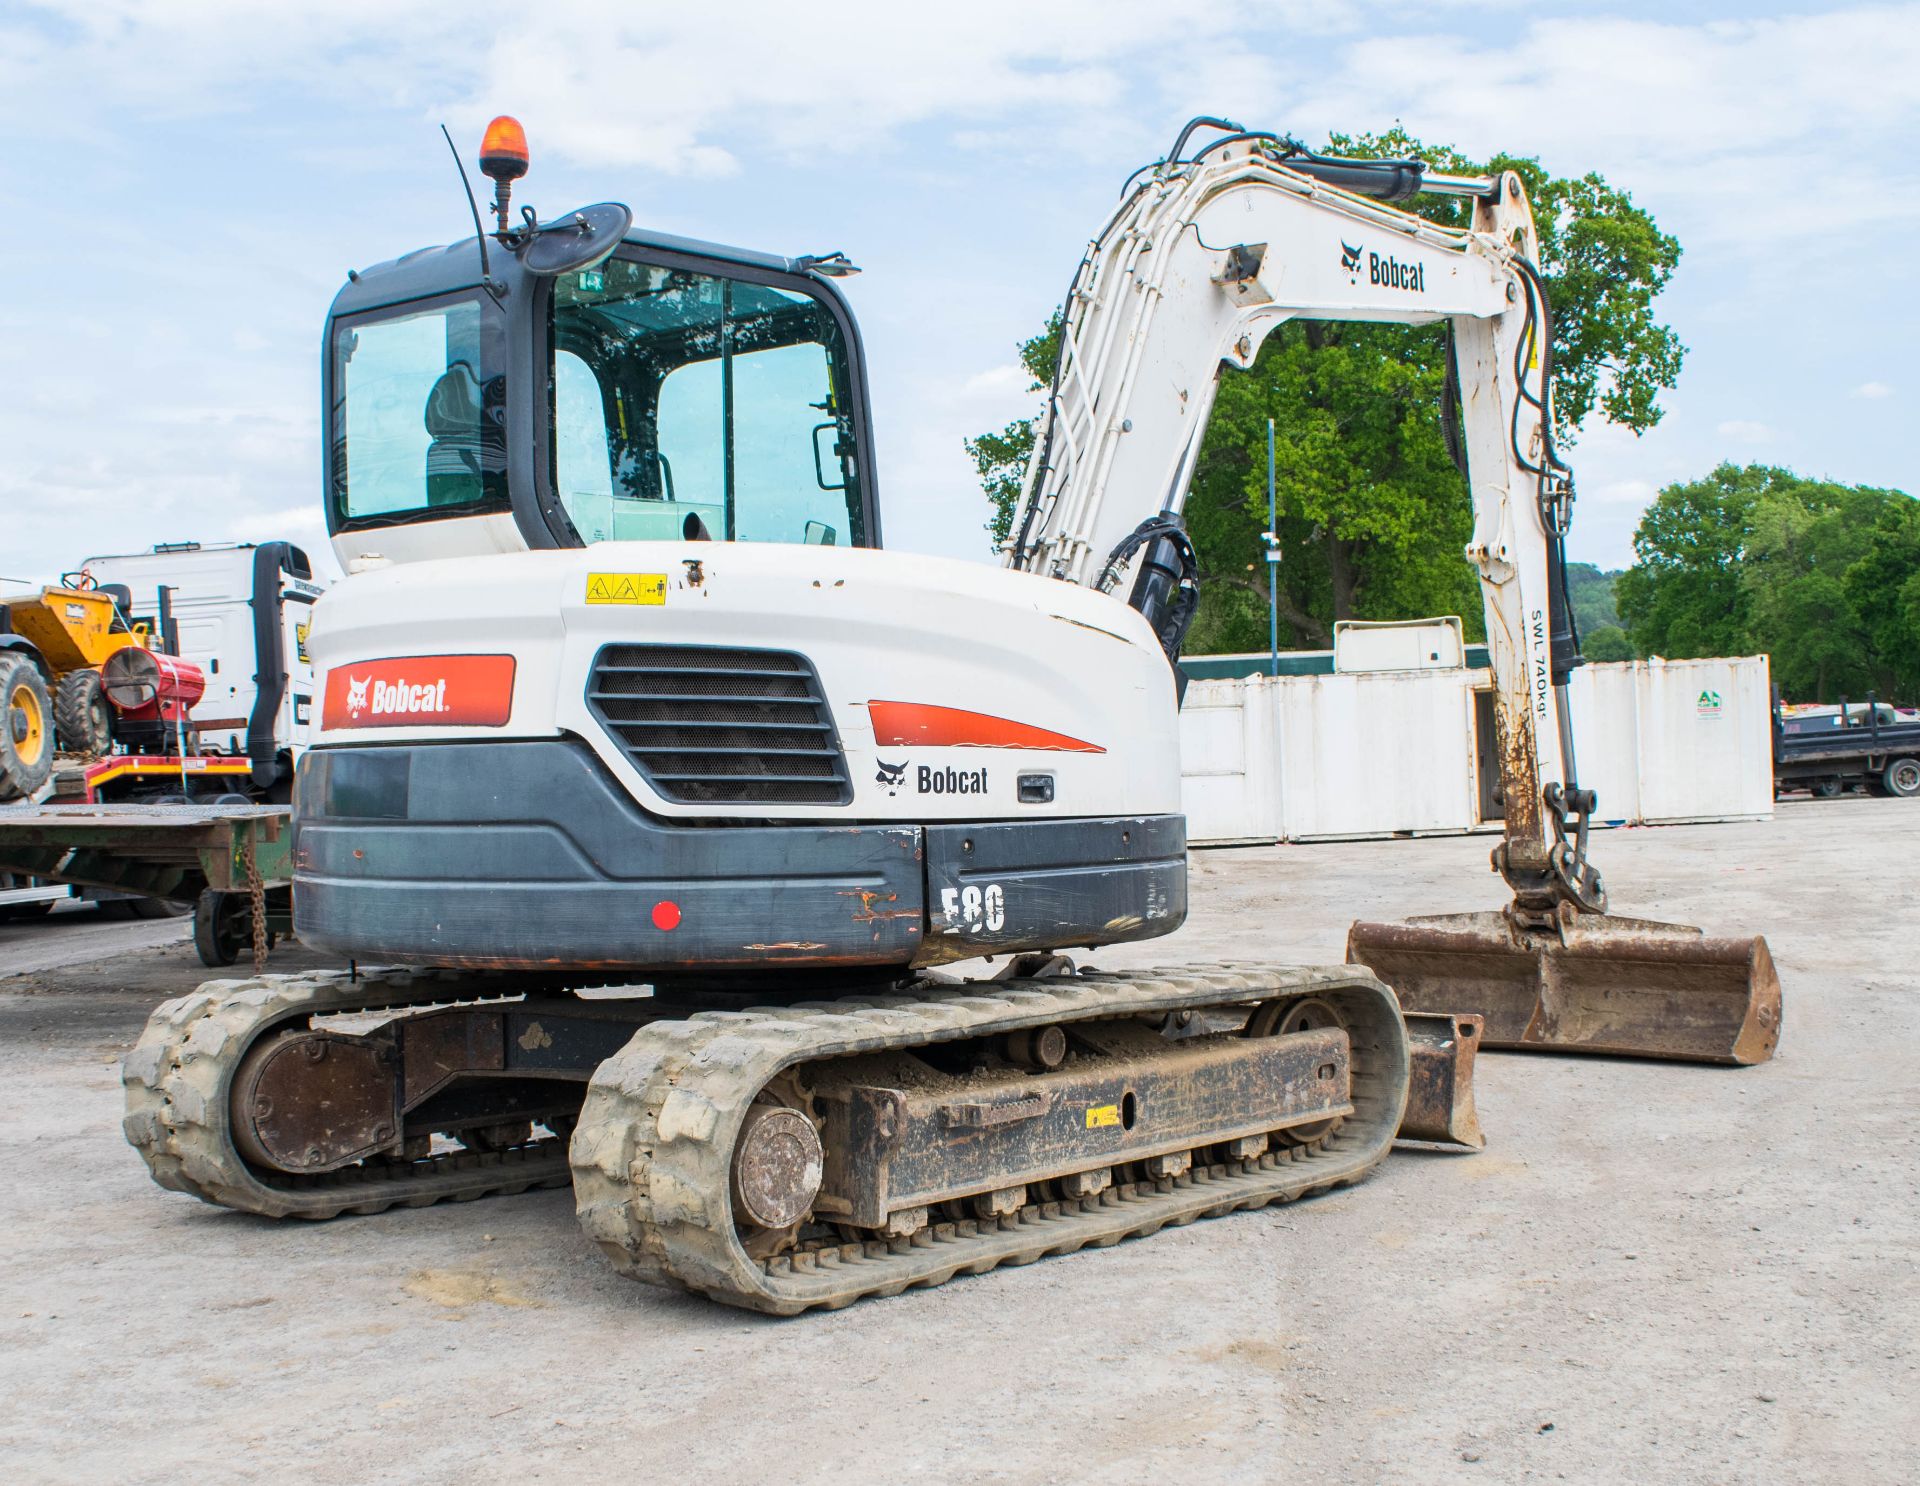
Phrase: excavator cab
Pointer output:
(579, 381)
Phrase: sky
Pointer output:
(187, 183)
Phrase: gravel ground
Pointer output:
(1653, 1272)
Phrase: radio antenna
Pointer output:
(498, 291)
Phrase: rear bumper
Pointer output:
(531, 855)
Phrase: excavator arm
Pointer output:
(1205, 257)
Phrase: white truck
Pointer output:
(240, 612)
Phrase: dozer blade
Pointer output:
(1440, 1047)
(1625, 986)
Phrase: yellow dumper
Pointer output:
(52, 645)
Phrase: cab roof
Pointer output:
(455, 266)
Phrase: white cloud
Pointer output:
(1765, 128)
(1745, 431)
(673, 89)
(1873, 390)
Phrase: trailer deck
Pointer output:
(232, 862)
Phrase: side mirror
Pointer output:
(819, 464)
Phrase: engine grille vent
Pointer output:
(706, 723)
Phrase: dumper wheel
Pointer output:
(223, 928)
(26, 732)
(82, 720)
(1901, 777)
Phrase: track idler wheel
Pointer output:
(1282, 1019)
(778, 1165)
(310, 1102)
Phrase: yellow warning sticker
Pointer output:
(1101, 1115)
(626, 588)
(300, 639)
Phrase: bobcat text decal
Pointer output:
(1388, 272)
(420, 691)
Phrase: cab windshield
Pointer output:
(689, 405)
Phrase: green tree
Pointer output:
(1374, 514)
(1884, 588)
(1606, 642)
(1684, 595)
(1822, 577)
(1001, 458)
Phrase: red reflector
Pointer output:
(666, 916)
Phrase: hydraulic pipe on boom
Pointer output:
(1204, 259)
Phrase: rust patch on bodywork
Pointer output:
(867, 913)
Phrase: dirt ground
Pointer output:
(1653, 1273)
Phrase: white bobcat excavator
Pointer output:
(677, 787)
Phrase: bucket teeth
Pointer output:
(1629, 987)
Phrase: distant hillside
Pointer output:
(1601, 635)
(1592, 592)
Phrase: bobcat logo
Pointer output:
(357, 695)
(891, 775)
(1349, 257)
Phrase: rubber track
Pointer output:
(178, 1077)
(652, 1152)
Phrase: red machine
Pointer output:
(153, 693)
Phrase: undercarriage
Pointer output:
(789, 1157)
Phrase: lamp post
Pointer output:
(1271, 536)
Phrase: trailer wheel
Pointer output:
(82, 720)
(223, 928)
(1902, 777)
(26, 731)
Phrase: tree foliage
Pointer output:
(1374, 515)
(1001, 458)
(1822, 577)
(1606, 642)
(1591, 590)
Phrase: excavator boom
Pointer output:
(1205, 258)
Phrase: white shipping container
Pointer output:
(1706, 740)
(1374, 755)
(1316, 757)
(1230, 776)
(1399, 644)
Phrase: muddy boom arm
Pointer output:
(1206, 256)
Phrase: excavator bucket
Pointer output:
(1626, 986)
(1440, 1108)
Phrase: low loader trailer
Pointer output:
(229, 864)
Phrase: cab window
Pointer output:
(692, 405)
(419, 417)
